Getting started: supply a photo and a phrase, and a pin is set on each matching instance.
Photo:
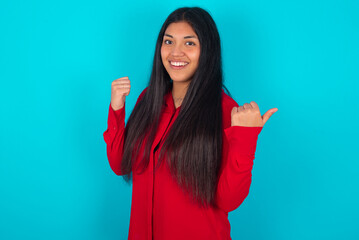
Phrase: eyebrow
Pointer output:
(183, 37)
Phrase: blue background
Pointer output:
(58, 59)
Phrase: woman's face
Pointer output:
(180, 51)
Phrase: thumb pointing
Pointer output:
(268, 114)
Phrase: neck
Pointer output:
(179, 90)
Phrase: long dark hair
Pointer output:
(193, 145)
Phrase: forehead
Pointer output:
(180, 29)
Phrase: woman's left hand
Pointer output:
(249, 115)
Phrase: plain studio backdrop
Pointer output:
(57, 62)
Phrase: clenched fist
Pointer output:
(120, 88)
(249, 115)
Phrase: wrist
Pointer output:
(117, 107)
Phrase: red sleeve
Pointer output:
(235, 176)
(114, 136)
(239, 146)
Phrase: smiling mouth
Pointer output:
(174, 63)
(178, 65)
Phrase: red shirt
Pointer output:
(160, 210)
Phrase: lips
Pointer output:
(178, 64)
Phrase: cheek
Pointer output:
(163, 55)
(195, 56)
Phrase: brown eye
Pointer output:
(190, 43)
(166, 41)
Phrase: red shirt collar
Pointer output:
(169, 100)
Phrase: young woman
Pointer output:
(187, 146)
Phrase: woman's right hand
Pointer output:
(120, 88)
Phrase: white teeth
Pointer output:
(178, 63)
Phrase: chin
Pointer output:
(181, 79)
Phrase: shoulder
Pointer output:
(227, 101)
(142, 93)
(228, 104)
(141, 96)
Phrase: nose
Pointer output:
(177, 50)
